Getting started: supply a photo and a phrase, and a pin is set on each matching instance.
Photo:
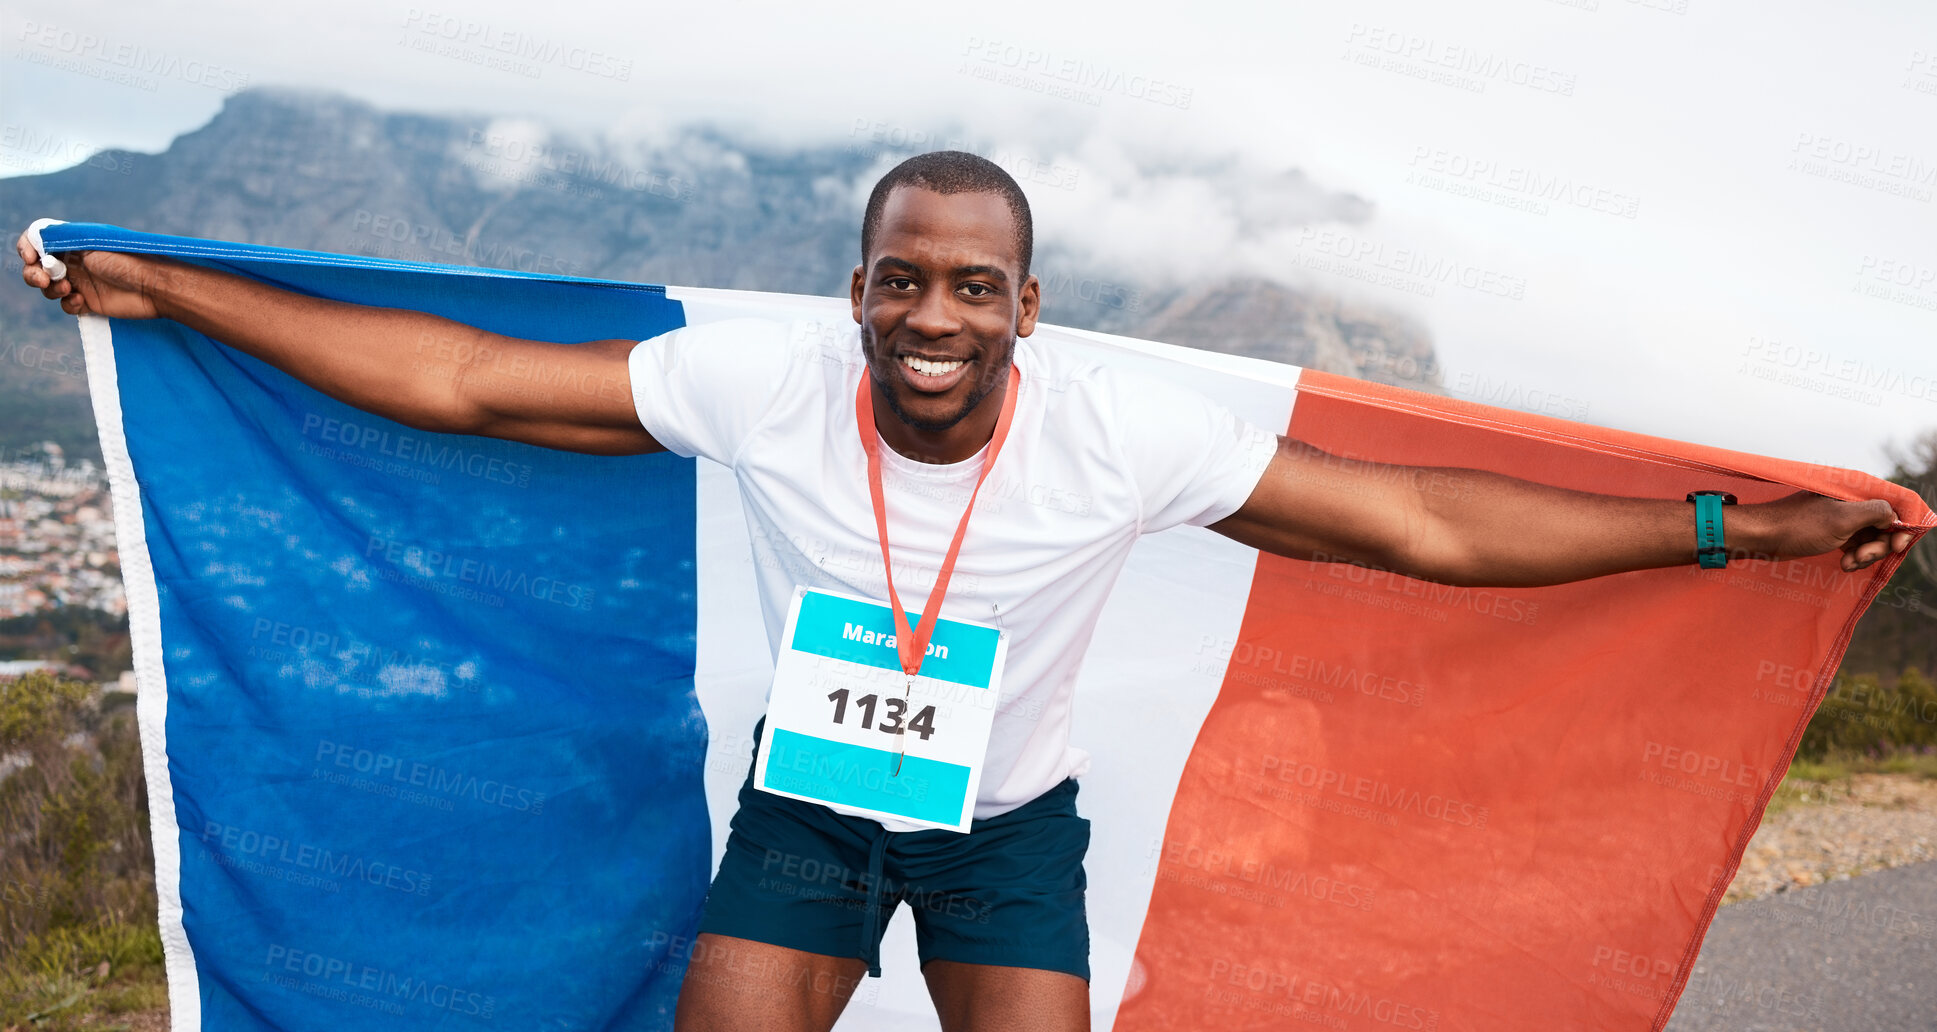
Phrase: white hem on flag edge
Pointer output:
(151, 681)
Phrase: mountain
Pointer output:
(700, 208)
(1319, 331)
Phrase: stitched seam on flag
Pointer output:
(151, 682)
(1635, 452)
(82, 242)
(1509, 427)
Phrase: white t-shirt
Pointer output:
(1095, 457)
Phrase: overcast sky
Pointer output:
(1709, 221)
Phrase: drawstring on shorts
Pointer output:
(871, 923)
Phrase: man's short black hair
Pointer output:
(951, 172)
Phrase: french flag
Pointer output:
(444, 732)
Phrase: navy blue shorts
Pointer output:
(1010, 892)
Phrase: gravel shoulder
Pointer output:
(1836, 831)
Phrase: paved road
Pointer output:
(1849, 956)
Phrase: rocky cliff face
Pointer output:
(326, 173)
(1318, 331)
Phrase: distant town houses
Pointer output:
(56, 535)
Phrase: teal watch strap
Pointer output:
(1710, 551)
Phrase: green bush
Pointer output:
(1862, 715)
(77, 896)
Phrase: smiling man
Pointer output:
(859, 453)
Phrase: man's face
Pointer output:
(940, 305)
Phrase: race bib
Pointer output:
(841, 705)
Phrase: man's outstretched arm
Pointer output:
(1475, 528)
(423, 371)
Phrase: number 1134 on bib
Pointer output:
(842, 711)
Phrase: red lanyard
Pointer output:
(912, 644)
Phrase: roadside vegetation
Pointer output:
(78, 939)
